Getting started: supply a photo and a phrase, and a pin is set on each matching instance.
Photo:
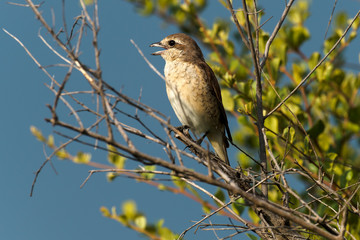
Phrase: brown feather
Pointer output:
(216, 88)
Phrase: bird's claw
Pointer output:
(199, 141)
(184, 129)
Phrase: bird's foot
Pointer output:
(200, 140)
(184, 129)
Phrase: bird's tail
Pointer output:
(219, 143)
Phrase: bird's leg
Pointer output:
(185, 130)
(199, 141)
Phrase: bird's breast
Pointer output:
(190, 96)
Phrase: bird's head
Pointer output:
(178, 46)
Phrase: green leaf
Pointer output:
(251, 236)
(318, 128)
(307, 144)
(193, 190)
(298, 72)
(289, 133)
(149, 175)
(113, 211)
(275, 66)
(299, 13)
(324, 141)
(279, 49)
(297, 36)
(229, 79)
(160, 223)
(206, 209)
(228, 47)
(105, 211)
(338, 76)
(329, 43)
(178, 182)
(292, 134)
(238, 206)
(314, 59)
(220, 195)
(122, 219)
(352, 36)
(349, 175)
(50, 141)
(243, 160)
(332, 156)
(352, 127)
(111, 176)
(328, 70)
(264, 37)
(167, 234)
(82, 158)
(228, 100)
(180, 16)
(62, 154)
(200, 3)
(356, 24)
(162, 187)
(248, 108)
(344, 178)
(37, 133)
(129, 209)
(115, 158)
(88, 2)
(350, 84)
(253, 216)
(313, 168)
(240, 16)
(272, 123)
(147, 7)
(140, 221)
(354, 114)
(341, 20)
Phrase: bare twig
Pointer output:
(147, 61)
(274, 33)
(331, 16)
(259, 112)
(237, 24)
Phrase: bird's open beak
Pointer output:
(158, 44)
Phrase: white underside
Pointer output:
(186, 113)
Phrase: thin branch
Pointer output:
(275, 32)
(218, 201)
(82, 68)
(331, 16)
(147, 61)
(259, 112)
(24, 5)
(202, 220)
(29, 53)
(237, 24)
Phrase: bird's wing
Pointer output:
(217, 92)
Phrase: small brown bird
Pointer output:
(193, 90)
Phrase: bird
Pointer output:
(194, 92)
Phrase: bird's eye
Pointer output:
(171, 43)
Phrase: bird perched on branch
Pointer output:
(193, 91)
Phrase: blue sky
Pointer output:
(59, 209)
